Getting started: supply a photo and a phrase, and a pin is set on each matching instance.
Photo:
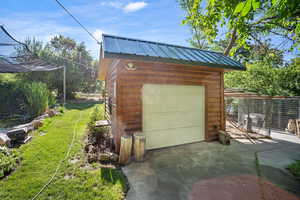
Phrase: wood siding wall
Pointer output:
(111, 80)
(129, 93)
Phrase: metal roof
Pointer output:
(127, 48)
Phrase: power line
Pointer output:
(82, 26)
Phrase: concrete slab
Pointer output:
(209, 171)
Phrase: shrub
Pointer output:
(97, 114)
(295, 168)
(11, 99)
(97, 132)
(19, 98)
(9, 159)
(37, 98)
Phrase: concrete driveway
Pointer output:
(212, 171)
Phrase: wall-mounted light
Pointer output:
(130, 67)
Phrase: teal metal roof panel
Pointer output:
(126, 48)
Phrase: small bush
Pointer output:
(9, 159)
(295, 168)
(97, 114)
(11, 99)
(96, 133)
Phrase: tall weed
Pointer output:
(36, 98)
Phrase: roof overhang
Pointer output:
(110, 55)
(116, 48)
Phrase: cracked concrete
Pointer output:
(214, 171)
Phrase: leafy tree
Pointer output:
(256, 54)
(81, 69)
(253, 54)
(245, 22)
(198, 40)
(264, 79)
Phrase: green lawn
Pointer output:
(42, 155)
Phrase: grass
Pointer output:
(8, 77)
(42, 155)
(295, 168)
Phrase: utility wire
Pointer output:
(82, 26)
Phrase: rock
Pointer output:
(51, 113)
(26, 127)
(224, 138)
(108, 157)
(104, 157)
(42, 117)
(36, 124)
(114, 157)
(92, 157)
(17, 134)
(92, 149)
(4, 140)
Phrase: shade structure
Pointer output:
(12, 60)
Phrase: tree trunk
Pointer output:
(231, 43)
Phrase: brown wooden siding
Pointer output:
(129, 93)
(111, 80)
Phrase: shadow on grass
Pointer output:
(114, 176)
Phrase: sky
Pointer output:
(154, 20)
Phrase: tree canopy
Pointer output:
(245, 22)
(81, 68)
(265, 79)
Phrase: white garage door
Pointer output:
(173, 114)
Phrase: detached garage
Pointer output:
(173, 94)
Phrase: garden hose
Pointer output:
(64, 159)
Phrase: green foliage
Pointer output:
(7, 77)
(245, 22)
(295, 168)
(37, 98)
(11, 98)
(51, 99)
(267, 80)
(81, 69)
(21, 98)
(9, 159)
(97, 114)
(43, 154)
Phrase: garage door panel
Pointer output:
(173, 114)
(159, 139)
(171, 120)
(180, 103)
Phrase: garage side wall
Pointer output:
(111, 96)
(131, 80)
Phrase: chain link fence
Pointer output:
(263, 115)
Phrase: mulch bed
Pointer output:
(99, 148)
